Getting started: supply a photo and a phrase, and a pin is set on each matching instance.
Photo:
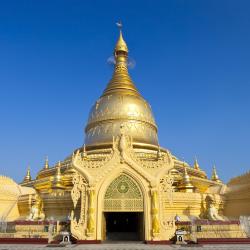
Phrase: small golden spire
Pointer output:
(27, 177)
(57, 181)
(46, 164)
(186, 184)
(196, 164)
(215, 176)
(159, 154)
(84, 151)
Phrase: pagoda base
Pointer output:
(41, 241)
(223, 241)
(88, 242)
(159, 242)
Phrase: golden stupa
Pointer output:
(121, 184)
(121, 104)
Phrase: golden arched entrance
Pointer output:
(123, 210)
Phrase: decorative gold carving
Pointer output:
(90, 162)
(166, 194)
(78, 192)
(123, 194)
(166, 187)
(120, 67)
(150, 161)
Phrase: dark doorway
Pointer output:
(124, 226)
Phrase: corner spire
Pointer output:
(121, 81)
(196, 164)
(27, 177)
(186, 184)
(215, 176)
(57, 181)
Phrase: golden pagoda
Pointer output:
(27, 177)
(215, 176)
(121, 184)
(196, 164)
(186, 184)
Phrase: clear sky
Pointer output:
(192, 65)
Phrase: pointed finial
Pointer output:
(119, 25)
(46, 164)
(59, 165)
(121, 45)
(27, 177)
(196, 164)
(215, 176)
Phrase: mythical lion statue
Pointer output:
(212, 211)
(36, 210)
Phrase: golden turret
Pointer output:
(27, 177)
(121, 104)
(46, 164)
(196, 164)
(57, 181)
(186, 184)
(215, 176)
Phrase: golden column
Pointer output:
(91, 210)
(155, 213)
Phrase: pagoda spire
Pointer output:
(186, 184)
(27, 177)
(196, 164)
(215, 176)
(57, 181)
(121, 81)
(46, 163)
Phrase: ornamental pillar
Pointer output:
(155, 214)
(91, 210)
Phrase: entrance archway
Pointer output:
(123, 210)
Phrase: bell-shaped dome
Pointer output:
(121, 105)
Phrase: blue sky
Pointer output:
(192, 65)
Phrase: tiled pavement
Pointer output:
(126, 246)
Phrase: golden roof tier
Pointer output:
(121, 105)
